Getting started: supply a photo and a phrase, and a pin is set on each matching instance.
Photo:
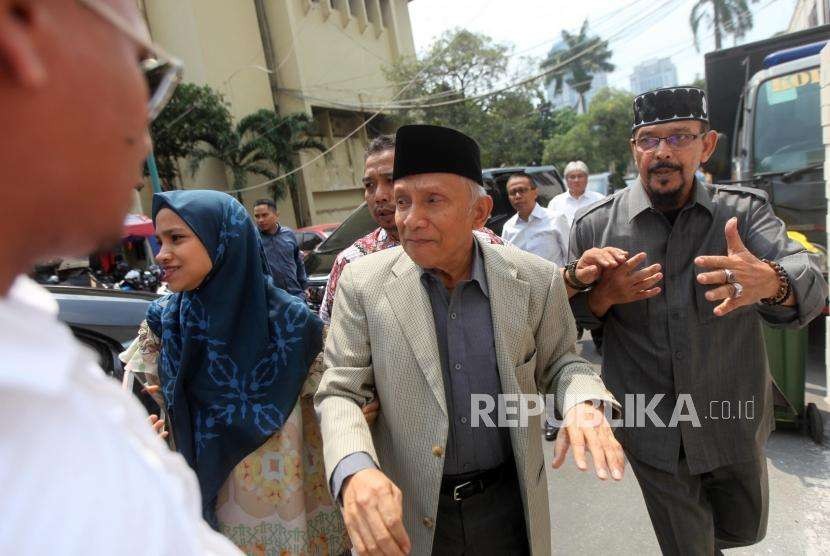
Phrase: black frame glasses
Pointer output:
(162, 71)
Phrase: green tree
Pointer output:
(583, 57)
(193, 113)
(600, 137)
(459, 66)
(280, 139)
(725, 17)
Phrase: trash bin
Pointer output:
(787, 355)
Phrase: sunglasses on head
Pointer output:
(162, 71)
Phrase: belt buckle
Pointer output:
(456, 495)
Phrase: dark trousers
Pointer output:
(703, 514)
(488, 523)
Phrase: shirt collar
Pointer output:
(538, 212)
(28, 321)
(639, 201)
(477, 273)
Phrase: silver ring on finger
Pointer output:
(730, 276)
(737, 290)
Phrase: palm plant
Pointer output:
(584, 56)
(262, 144)
(280, 139)
(726, 17)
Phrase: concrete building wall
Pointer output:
(809, 13)
(825, 124)
(328, 59)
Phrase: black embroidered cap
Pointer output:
(427, 149)
(670, 104)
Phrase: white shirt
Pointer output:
(81, 471)
(542, 234)
(567, 204)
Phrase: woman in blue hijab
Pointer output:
(231, 351)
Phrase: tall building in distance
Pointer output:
(568, 97)
(653, 74)
(323, 58)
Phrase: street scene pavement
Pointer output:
(592, 516)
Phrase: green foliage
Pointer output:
(193, 114)
(600, 138)
(725, 17)
(510, 126)
(584, 56)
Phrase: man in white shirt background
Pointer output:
(577, 195)
(532, 228)
(81, 470)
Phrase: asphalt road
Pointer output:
(591, 516)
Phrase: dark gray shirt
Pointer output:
(673, 344)
(464, 329)
(285, 260)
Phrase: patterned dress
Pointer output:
(276, 501)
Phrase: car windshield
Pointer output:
(788, 123)
(358, 224)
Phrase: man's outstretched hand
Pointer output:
(586, 428)
(757, 279)
(373, 512)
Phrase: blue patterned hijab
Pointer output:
(235, 351)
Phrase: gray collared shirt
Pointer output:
(464, 329)
(673, 345)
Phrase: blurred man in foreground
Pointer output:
(81, 470)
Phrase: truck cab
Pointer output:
(778, 143)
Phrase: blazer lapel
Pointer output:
(412, 308)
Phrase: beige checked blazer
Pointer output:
(382, 335)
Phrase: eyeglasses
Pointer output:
(674, 141)
(518, 191)
(162, 71)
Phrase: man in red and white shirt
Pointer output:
(377, 183)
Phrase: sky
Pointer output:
(638, 29)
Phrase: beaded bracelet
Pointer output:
(785, 287)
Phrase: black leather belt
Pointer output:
(461, 487)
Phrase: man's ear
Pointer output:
(20, 61)
(710, 141)
(481, 211)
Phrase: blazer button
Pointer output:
(437, 451)
(428, 522)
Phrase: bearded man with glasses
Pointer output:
(81, 470)
(683, 326)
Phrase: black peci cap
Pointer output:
(669, 104)
(427, 149)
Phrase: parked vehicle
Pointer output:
(311, 236)
(318, 263)
(600, 183)
(106, 321)
(765, 97)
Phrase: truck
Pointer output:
(764, 101)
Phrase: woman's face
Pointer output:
(183, 257)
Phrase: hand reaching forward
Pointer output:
(373, 512)
(757, 279)
(586, 427)
(625, 284)
(597, 260)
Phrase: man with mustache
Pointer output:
(377, 191)
(685, 332)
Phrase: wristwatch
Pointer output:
(572, 280)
